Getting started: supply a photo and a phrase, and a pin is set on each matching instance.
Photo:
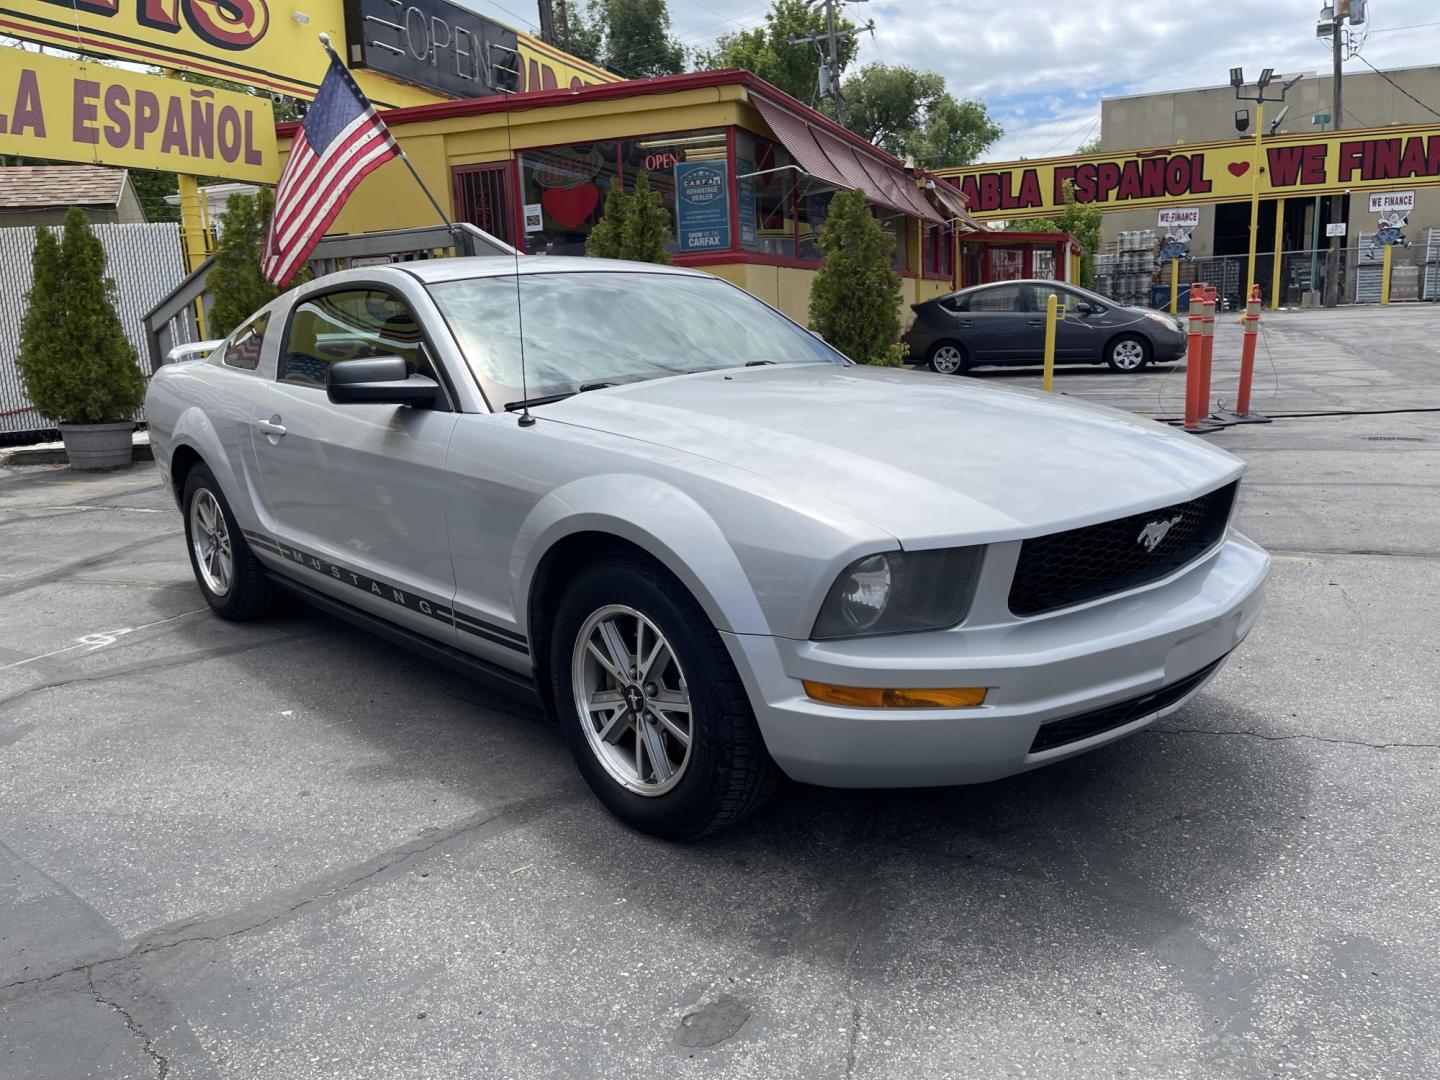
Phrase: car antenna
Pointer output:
(526, 420)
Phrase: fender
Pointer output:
(655, 516)
(194, 429)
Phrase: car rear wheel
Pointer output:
(1128, 353)
(227, 571)
(650, 704)
(947, 358)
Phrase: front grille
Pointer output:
(1071, 567)
(1109, 717)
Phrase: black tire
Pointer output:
(1122, 344)
(728, 773)
(250, 593)
(946, 350)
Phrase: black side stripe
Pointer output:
(428, 606)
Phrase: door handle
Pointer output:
(271, 426)
(965, 324)
(1037, 322)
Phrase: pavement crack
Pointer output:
(855, 1018)
(162, 1064)
(1289, 738)
(335, 887)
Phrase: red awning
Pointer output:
(827, 157)
(954, 203)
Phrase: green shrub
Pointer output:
(238, 287)
(75, 362)
(855, 298)
(633, 226)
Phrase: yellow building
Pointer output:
(754, 169)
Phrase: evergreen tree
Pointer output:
(647, 225)
(607, 236)
(855, 297)
(75, 362)
(632, 226)
(236, 283)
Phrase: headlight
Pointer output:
(1167, 321)
(899, 591)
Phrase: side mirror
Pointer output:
(1084, 307)
(381, 380)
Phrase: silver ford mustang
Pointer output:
(714, 548)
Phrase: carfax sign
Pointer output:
(76, 110)
(702, 206)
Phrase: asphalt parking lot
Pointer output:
(286, 850)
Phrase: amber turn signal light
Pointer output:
(864, 697)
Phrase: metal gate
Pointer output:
(482, 197)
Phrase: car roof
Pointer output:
(431, 271)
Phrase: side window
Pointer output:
(999, 298)
(355, 324)
(243, 349)
(1064, 298)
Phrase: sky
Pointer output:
(1042, 66)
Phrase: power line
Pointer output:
(1396, 85)
(1071, 137)
(1412, 26)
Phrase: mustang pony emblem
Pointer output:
(1156, 531)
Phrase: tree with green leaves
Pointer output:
(906, 111)
(767, 50)
(1080, 220)
(855, 296)
(236, 282)
(632, 226)
(75, 362)
(636, 34)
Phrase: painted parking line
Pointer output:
(100, 639)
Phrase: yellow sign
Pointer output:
(76, 110)
(1206, 172)
(254, 42)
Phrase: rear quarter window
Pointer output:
(243, 348)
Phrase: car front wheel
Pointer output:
(1127, 354)
(651, 706)
(227, 571)
(948, 359)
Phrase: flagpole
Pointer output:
(400, 150)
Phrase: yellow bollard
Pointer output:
(1385, 274)
(1052, 306)
(1174, 286)
(1279, 255)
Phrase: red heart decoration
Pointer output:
(1238, 168)
(570, 206)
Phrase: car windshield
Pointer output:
(601, 327)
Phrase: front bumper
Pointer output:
(1042, 669)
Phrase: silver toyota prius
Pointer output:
(714, 548)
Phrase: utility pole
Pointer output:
(1337, 201)
(830, 80)
(547, 22)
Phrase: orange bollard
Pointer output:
(1242, 413)
(1192, 358)
(1197, 361)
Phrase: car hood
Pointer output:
(929, 459)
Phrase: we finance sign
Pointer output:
(1205, 173)
(75, 110)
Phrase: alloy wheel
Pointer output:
(210, 539)
(947, 360)
(632, 700)
(1128, 355)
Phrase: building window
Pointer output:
(898, 227)
(767, 201)
(658, 156)
(814, 208)
(939, 251)
(567, 185)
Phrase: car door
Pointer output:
(1078, 336)
(355, 495)
(994, 321)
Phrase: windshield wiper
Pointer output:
(550, 399)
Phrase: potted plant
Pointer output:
(75, 362)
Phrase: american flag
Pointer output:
(340, 142)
